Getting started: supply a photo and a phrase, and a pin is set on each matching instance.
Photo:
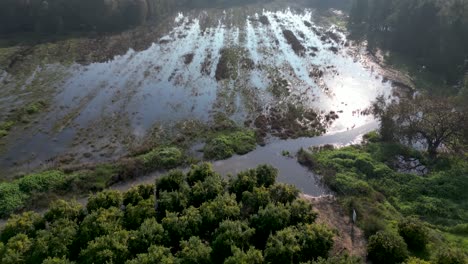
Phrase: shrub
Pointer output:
(386, 247)
(414, 233)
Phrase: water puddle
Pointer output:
(101, 108)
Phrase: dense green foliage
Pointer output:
(194, 217)
(390, 195)
(433, 33)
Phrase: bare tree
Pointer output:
(435, 121)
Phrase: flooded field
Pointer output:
(277, 71)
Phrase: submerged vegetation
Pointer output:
(406, 203)
(196, 217)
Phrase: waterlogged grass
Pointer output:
(22, 115)
(225, 145)
(366, 178)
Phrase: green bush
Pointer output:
(224, 146)
(11, 198)
(162, 158)
(387, 248)
(42, 182)
(414, 233)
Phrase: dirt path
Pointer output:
(331, 214)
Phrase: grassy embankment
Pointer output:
(365, 178)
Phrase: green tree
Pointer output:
(61, 209)
(435, 121)
(244, 182)
(252, 201)
(184, 226)
(386, 247)
(283, 247)
(156, 254)
(283, 193)
(230, 234)
(413, 260)
(301, 212)
(222, 207)
(104, 200)
(136, 214)
(56, 241)
(315, 240)
(450, 256)
(170, 182)
(341, 259)
(198, 173)
(111, 248)
(57, 261)
(26, 223)
(268, 220)
(252, 256)
(194, 251)
(150, 233)
(266, 175)
(17, 250)
(138, 193)
(100, 222)
(206, 190)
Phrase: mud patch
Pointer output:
(292, 40)
(264, 20)
(349, 238)
(230, 62)
(188, 58)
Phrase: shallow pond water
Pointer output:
(103, 108)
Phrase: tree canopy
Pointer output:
(194, 217)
